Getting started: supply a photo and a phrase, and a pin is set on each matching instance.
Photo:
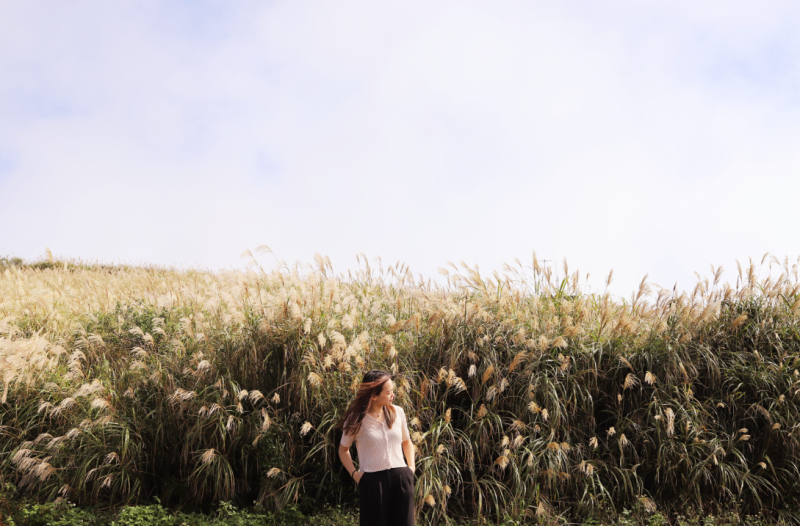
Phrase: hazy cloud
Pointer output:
(653, 138)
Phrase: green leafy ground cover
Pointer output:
(529, 399)
(27, 513)
(67, 514)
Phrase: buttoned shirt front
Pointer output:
(378, 446)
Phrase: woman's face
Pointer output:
(386, 397)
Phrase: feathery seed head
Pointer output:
(630, 381)
(208, 456)
(100, 403)
(487, 374)
(314, 379)
(518, 425)
(265, 422)
(502, 461)
(544, 343)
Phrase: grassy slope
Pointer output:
(528, 398)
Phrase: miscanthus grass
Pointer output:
(527, 396)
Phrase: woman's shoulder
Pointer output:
(398, 409)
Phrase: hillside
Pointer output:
(527, 396)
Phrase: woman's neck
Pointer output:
(375, 411)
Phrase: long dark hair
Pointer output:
(371, 385)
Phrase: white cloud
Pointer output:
(650, 138)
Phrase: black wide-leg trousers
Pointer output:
(387, 497)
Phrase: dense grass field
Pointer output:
(529, 399)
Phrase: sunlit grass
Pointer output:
(527, 397)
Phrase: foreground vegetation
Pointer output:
(528, 398)
(66, 514)
(63, 513)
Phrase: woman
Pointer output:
(380, 431)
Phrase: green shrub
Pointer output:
(62, 514)
(67, 514)
(152, 515)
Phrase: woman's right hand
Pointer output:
(357, 476)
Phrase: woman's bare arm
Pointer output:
(347, 462)
(408, 451)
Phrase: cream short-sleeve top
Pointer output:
(378, 446)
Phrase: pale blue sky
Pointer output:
(651, 137)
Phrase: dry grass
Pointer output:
(526, 396)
